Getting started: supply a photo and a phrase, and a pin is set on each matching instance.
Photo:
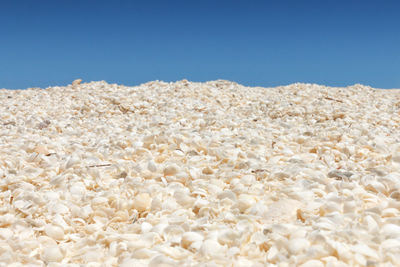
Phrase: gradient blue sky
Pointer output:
(255, 43)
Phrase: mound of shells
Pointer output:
(199, 174)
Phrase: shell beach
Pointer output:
(199, 174)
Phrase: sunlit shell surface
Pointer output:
(199, 174)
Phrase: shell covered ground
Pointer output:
(199, 174)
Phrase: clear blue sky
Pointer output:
(263, 43)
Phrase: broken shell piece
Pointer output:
(190, 237)
(76, 82)
(142, 202)
(211, 248)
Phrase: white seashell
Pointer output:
(142, 202)
(41, 149)
(312, 263)
(131, 262)
(273, 254)
(146, 227)
(46, 241)
(184, 199)
(391, 230)
(228, 237)
(54, 231)
(171, 170)
(6, 233)
(71, 161)
(159, 228)
(142, 253)
(360, 259)
(182, 177)
(296, 245)
(227, 194)
(163, 261)
(245, 201)
(349, 207)
(389, 244)
(156, 204)
(190, 237)
(248, 179)
(365, 250)
(390, 212)
(52, 254)
(178, 153)
(151, 166)
(282, 210)
(372, 225)
(211, 248)
(78, 189)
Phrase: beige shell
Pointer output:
(142, 202)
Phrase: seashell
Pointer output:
(390, 230)
(156, 204)
(71, 161)
(53, 231)
(41, 149)
(365, 251)
(184, 199)
(76, 82)
(171, 170)
(273, 254)
(52, 254)
(248, 179)
(207, 171)
(211, 248)
(372, 225)
(312, 263)
(162, 260)
(159, 228)
(78, 189)
(142, 253)
(131, 262)
(244, 202)
(151, 166)
(226, 194)
(297, 245)
(6, 233)
(146, 227)
(142, 202)
(376, 187)
(360, 259)
(228, 237)
(282, 210)
(390, 212)
(189, 238)
(389, 244)
(182, 177)
(349, 207)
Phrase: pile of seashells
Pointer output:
(199, 174)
